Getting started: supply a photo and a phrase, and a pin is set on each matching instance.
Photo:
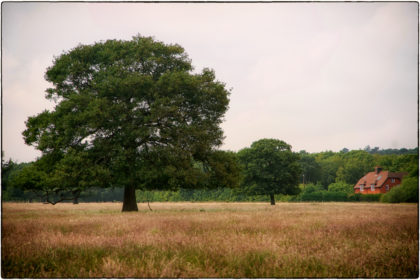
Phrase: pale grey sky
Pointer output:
(320, 76)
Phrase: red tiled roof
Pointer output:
(399, 175)
(378, 179)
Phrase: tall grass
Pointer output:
(229, 240)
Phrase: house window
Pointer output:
(372, 187)
(393, 180)
(387, 187)
(361, 187)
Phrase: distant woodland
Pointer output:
(326, 176)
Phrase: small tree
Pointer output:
(270, 167)
(129, 114)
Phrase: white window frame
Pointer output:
(372, 188)
(393, 180)
(361, 187)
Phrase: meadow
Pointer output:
(201, 240)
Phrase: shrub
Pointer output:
(354, 197)
(318, 193)
(407, 192)
(341, 187)
(285, 198)
(312, 188)
(334, 196)
(370, 197)
(364, 197)
(312, 196)
(411, 189)
(322, 196)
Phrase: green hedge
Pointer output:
(220, 194)
(334, 196)
(370, 197)
(364, 197)
(326, 196)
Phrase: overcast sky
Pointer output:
(320, 76)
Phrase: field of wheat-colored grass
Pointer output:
(228, 240)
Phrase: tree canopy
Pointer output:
(131, 114)
(270, 167)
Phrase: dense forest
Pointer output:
(326, 176)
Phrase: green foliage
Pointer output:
(408, 163)
(408, 191)
(349, 166)
(312, 188)
(334, 196)
(270, 167)
(322, 196)
(219, 194)
(30, 177)
(225, 170)
(402, 151)
(354, 197)
(329, 163)
(96, 194)
(311, 169)
(313, 192)
(355, 165)
(10, 170)
(370, 197)
(132, 114)
(311, 196)
(411, 189)
(340, 192)
(219, 184)
(341, 187)
(58, 177)
(7, 169)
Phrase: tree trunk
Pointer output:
(129, 203)
(76, 195)
(273, 202)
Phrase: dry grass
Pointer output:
(229, 240)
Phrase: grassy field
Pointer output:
(229, 240)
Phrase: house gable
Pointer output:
(378, 181)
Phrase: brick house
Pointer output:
(378, 181)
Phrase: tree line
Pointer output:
(326, 176)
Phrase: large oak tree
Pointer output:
(131, 114)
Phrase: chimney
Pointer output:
(378, 169)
